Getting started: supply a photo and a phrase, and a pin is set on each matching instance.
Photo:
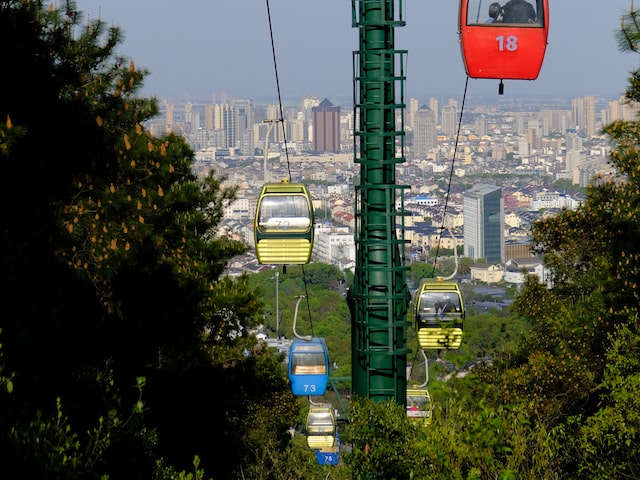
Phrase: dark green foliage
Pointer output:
(110, 268)
(419, 271)
(606, 441)
(576, 368)
(384, 442)
(492, 334)
(124, 353)
(224, 412)
(466, 440)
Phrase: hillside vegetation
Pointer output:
(125, 350)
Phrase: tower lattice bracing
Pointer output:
(379, 296)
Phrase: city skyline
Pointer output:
(241, 124)
(223, 49)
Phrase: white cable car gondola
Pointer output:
(419, 404)
(321, 426)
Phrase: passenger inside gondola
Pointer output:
(437, 304)
(517, 11)
(512, 12)
(495, 13)
(449, 305)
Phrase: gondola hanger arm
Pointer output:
(295, 320)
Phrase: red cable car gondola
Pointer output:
(504, 42)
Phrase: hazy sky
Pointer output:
(207, 49)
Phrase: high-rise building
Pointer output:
(307, 105)
(557, 120)
(226, 121)
(484, 223)
(247, 142)
(231, 121)
(573, 142)
(622, 109)
(191, 119)
(326, 127)
(520, 123)
(449, 123)
(169, 115)
(590, 116)
(243, 109)
(414, 106)
(433, 105)
(209, 117)
(480, 125)
(297, 130)
(584, 114)
(425, 135)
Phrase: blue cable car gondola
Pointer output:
(308, 366)
(503, 41)
(283, 225)
(439, 315)
(331, 455)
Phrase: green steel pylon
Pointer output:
(379, 297)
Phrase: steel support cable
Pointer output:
(453, 161)
(413, 362)
(286, 149)
(281, 110)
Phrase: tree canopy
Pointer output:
(124, 351)
(118, 330)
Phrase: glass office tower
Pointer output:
(484, 223)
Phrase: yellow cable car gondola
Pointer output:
(321, 426)
(283, 228)
(439, 315)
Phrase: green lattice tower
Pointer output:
(379, 296)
